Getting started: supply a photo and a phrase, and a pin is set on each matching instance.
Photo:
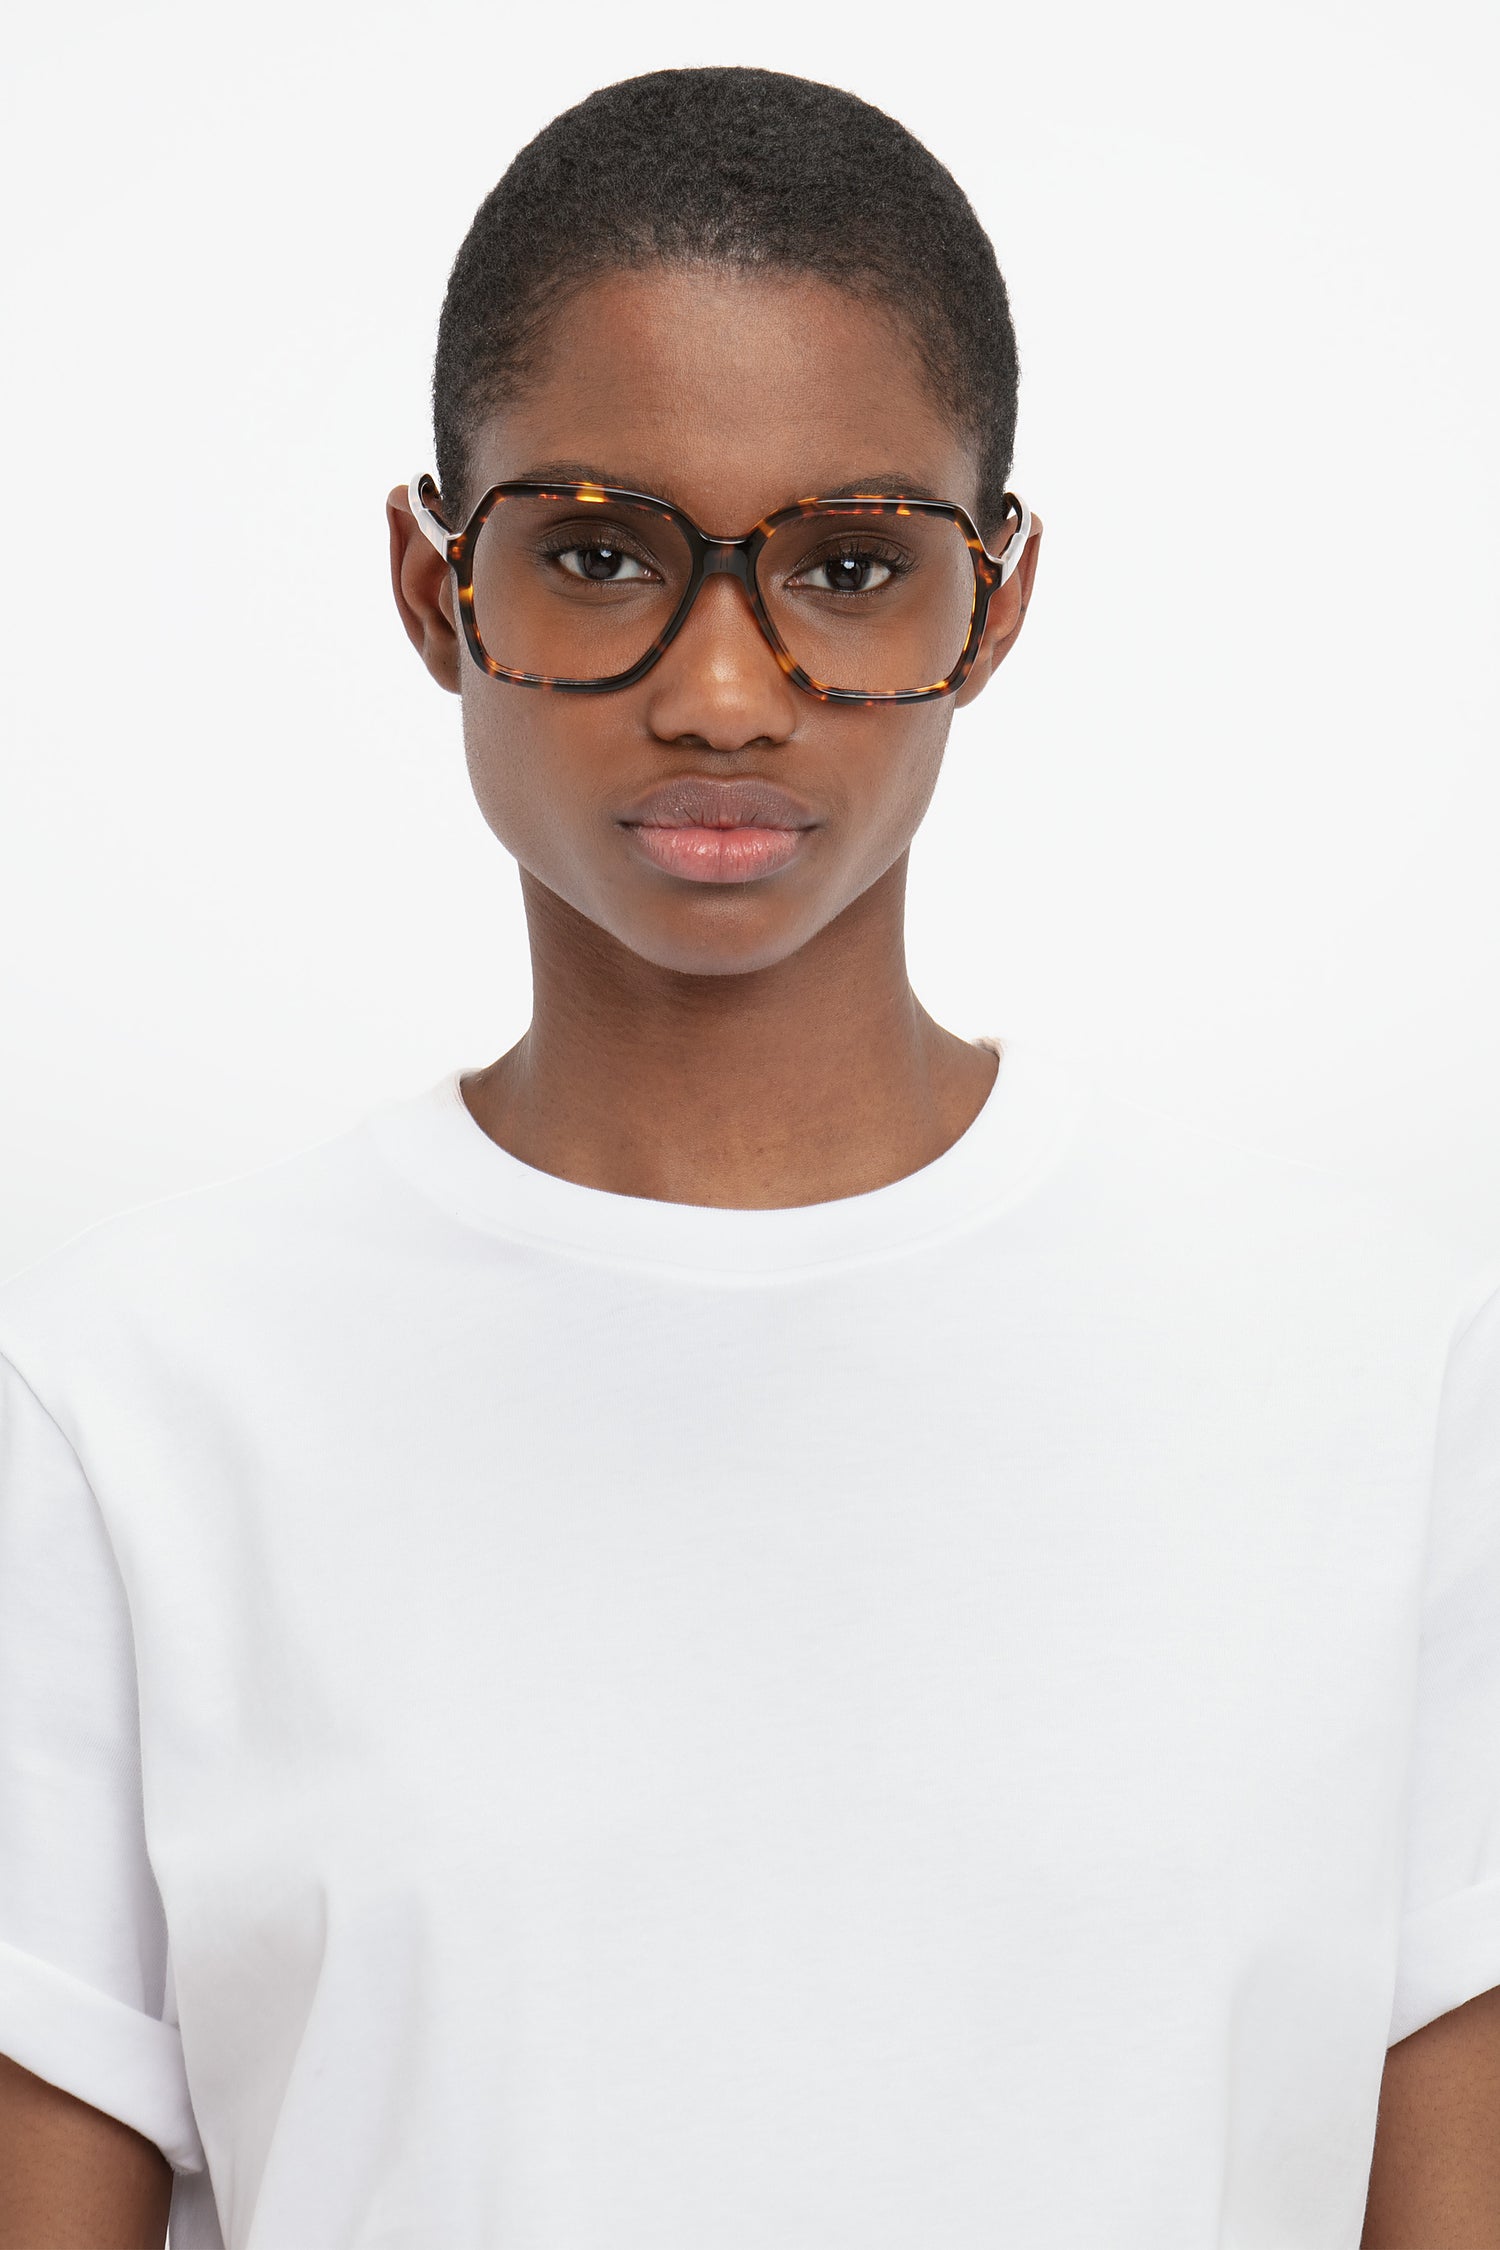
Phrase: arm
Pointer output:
(1435, 2175)
(71, 2177)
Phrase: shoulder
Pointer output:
(1318, 1235)
(151, 1280)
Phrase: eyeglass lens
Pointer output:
(864, 599)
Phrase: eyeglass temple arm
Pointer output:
(1014, 548)
(436, 532)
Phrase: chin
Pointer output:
(714, 954)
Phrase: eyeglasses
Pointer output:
(869, 599)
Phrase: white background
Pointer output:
(1227, 824)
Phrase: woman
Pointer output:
(757, 1624)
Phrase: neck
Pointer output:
(821, 1076)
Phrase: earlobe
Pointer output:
(421, 583)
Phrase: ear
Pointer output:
(1006, 616)
(423, 587)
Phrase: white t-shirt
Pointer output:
(535, 1719)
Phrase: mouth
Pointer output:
(717, 855)
(717, 828)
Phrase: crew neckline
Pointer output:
(1026, 1120)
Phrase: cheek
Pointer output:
(527, 768)
(908, 766)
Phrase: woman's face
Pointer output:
(728, 395)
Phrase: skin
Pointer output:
(1435, 2174)
(72, 2178)
(754, 1044)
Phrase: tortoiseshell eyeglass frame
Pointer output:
(735, 558)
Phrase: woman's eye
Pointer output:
(602, 564)
(844, 574)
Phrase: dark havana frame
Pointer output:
(734, 558)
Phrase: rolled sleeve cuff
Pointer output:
(115, 2058)
(1449, 1953)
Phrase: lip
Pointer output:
(695, 800)
(717, 855)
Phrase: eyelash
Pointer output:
(860, 549)
(574, 542)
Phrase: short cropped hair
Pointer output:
(749, 169)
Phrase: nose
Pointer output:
(719, 681)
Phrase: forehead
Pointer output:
(728, 393)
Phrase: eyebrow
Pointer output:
(881, 484)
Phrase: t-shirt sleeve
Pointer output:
(83, 1941)
(1449, 1949)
